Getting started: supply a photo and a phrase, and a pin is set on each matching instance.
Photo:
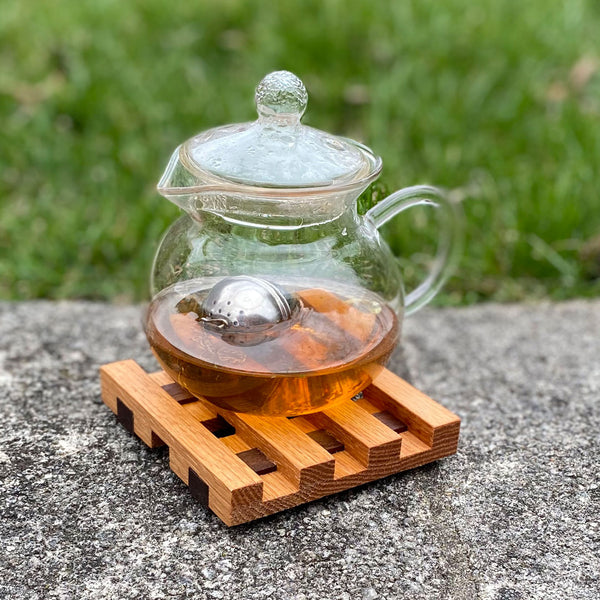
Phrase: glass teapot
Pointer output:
(271, 295)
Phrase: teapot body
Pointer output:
(341, 273)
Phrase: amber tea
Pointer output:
(337, 341)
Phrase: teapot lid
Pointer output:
(276, 150)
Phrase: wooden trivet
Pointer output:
(244, 467)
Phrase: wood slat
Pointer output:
(303, 424)
(178, 393)
(236, 443)
(300, 458)
(257, 461)
(228, 477)
(369, 440)
(160, 377)
(347, 466)
(387, 418)
(364, 403)
(426, 418)
(326, 440)
(199, 411)
(278, 486)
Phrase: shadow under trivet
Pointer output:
(245, 467)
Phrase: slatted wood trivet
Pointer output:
(244, 467)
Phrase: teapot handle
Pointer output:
(450, 239)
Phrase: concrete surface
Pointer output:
(87, 511)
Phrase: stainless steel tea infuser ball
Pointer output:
(245, 309)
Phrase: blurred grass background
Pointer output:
(498, 101)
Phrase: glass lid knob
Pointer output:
(281, 95)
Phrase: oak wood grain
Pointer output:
(297, 465)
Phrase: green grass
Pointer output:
(498, 101)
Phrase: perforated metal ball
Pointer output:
(244, 309)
